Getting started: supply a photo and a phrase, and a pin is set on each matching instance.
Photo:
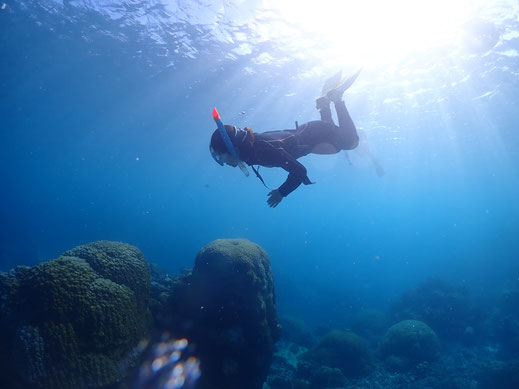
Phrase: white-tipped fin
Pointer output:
(347, 82)
(331, 83)
(338, 84)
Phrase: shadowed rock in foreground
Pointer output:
(228, 311)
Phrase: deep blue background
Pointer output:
(97, 142)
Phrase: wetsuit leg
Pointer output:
(326, 113)
(348, 137)
(323, 136)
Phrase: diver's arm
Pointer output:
(272, 156)
(296, 174)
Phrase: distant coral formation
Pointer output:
(342, 350)
(407, 344)
(297, 331)
(446, 308)
(370, 323)
(71, 321)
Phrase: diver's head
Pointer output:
(224, 146)
(219, 149)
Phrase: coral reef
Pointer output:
(338, 353)
(75, 321)
(296, 331)
(408, 344)
(320, 376)
(500, 375)
(70, 326)
(281, 373)
(446, 308)
(119, 262)
(506, 324)
(370, 324)
(458, 367)
(167, 296)
(227, 308)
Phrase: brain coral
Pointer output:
(232, 314)
(119, 262)
(73, 325)
(408, 343)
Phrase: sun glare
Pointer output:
(376, 30)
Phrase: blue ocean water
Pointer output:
(105, 113)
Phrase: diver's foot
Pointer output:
(335, 94)
(322, 102)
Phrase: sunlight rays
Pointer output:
(373, 31)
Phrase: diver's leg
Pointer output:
(348, 137)
(323, 105)
(318, 137)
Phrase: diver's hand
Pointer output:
(275, 198)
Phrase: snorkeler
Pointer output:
(233, 146)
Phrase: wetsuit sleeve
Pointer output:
(273, 155)
(296, 173)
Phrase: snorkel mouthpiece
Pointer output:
(243, 168)
(228, 143)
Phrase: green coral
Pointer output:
(112, 308)
(57, 287)
(343, 350)
(238, 260)
(119, 262)
(409, 343)
(75, 325)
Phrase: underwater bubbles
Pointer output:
(168, 365)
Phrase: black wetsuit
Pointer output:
(283, 148)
